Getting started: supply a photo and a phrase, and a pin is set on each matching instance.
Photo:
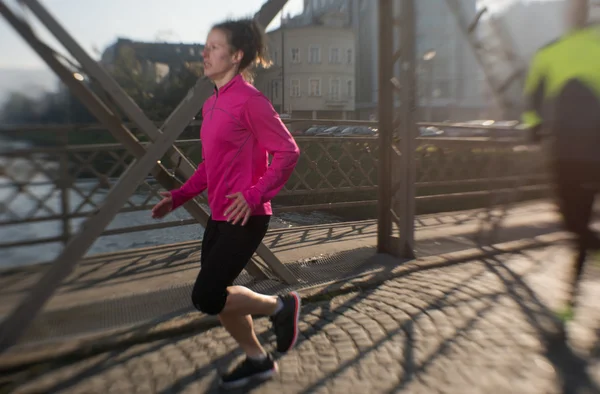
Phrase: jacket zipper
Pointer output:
(212, 110)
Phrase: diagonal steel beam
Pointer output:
(96, 106)
(269, 11)
(112, 88)
(186, 168)
(14, 325)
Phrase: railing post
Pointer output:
(397, 182)
(386, 126)
(408, 129)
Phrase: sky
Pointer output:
(97, 23)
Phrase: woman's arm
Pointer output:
(190, 189)
(262, 120)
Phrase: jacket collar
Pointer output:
(238, 79)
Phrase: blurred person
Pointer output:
(240, 129)
(563, 103)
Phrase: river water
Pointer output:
(15, 205)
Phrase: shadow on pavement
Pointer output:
(467, 297)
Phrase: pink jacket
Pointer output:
(240, 129)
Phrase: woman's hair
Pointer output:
(246, 35)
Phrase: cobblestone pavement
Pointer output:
(476, 327)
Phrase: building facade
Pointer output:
(313, 72)
(449, 78)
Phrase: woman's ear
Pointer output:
(238, 56)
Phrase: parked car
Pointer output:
(331, 131)
(340, 131)
(469, 131)
(314, 130)
(359, 131)
(430, 131)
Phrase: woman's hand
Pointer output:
(238, 210)
(164, 206)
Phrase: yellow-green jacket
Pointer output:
(562, 94)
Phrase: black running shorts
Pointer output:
(226, 249)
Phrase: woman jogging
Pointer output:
(240, 129)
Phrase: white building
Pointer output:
(315, 77)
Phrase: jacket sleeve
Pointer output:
(190, 189)
(262, 120)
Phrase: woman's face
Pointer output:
(219, 60)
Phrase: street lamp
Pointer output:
(429, 55)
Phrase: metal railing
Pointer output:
(65, 182)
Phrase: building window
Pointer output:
(275, 57)
(314, 54)
(295, 55)
(334, 89)
(334, 55)
(275, 89)
(314, 87)
(350, 88)
(349, 56)
(295, 88)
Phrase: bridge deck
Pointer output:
(485, 325)
(135, 286)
